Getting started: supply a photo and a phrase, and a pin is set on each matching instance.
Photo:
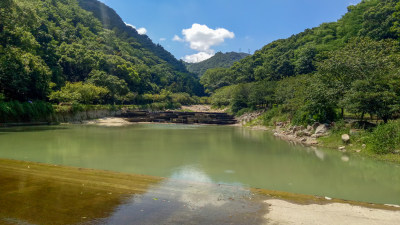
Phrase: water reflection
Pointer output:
(223, 155)
(177, 201)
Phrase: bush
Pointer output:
(386, 138)
(274, 115)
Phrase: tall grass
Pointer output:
(15, 111)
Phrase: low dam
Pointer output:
(179, 117)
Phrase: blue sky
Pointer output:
(244, 24)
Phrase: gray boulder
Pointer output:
(346, 138)
(321, 129)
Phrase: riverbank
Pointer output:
(331, 136)
(51, 194)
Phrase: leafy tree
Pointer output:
(117, 87)
(80, 93)
(361, 59)
(216, 78)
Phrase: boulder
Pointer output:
(315, 125)
(346, 138)
(321, 129)
(310, 128)
(342, 148)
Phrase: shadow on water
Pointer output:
(6, 130)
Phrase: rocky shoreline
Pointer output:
(305, 135)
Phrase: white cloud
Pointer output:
(195, 58)
(202, 38)
(163, 39)
(177, 38)
(140, 31)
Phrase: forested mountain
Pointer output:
(352, 65)
(47, 45)
(298, 54)
(219, 60)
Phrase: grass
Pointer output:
(334, 140)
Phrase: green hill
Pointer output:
(219, 60)
(298, 53)
(349, 66)
(46, 44)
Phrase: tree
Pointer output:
(117, 87)
(360, 59)
(216, 78)
(80, 93)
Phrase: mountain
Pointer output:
(298, 54)
(111, 20)
(46, 44)
(219, 60)
(350, 66)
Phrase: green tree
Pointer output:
(360, 59)
(79, 93)
(117, 87)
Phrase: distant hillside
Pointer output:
(46, 45)
(111, 20)
(219, 60)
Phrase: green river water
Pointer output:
(207, 154)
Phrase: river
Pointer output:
(208, 154)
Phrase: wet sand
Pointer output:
(33, 193)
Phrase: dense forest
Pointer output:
(81, 51)
(351, 65)
(219, 60)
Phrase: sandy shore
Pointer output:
(108, 122)
(282, 212)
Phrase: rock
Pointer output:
(307, 133)
(358, 151)
(321, 129)
(304, 140)
(345, 158)
(345, 138)
(397, 152)
(312, 142)
(300, 134)
(279, 124)
(342, 148)
(364, 146)
(315, 125)
(310, 128)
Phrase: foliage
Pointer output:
(386, 138)
(46, 43)
(118, 88)
(79, 93)
(363, 76)
(216, 78)
(15, 111)
(219, 60)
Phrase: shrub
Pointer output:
(385, 138)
